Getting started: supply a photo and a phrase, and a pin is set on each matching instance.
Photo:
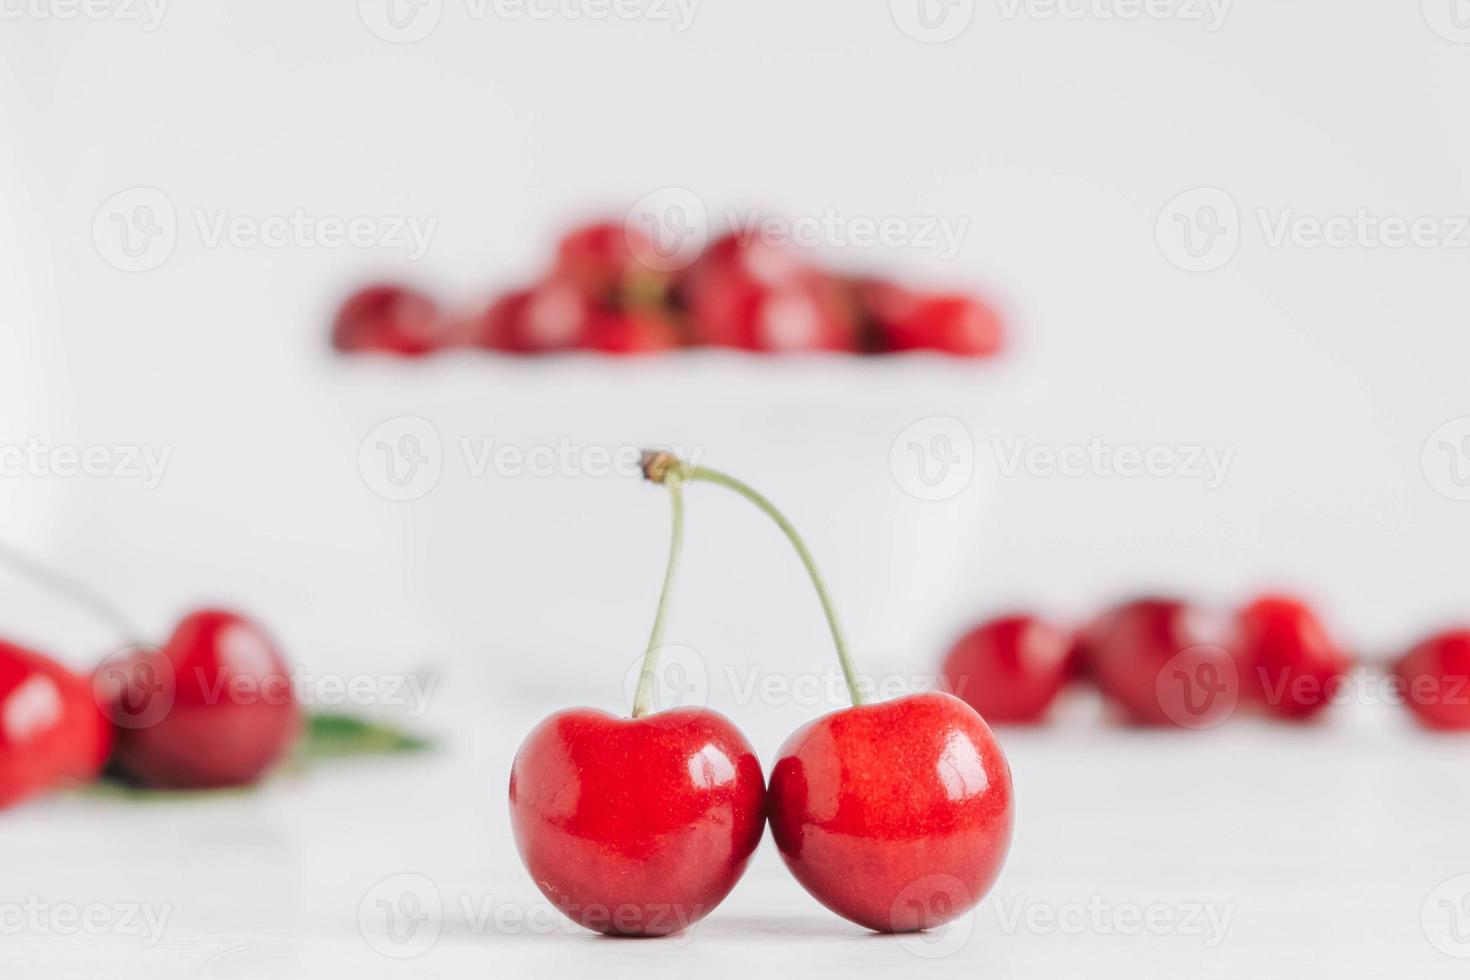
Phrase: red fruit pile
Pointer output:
(1164, 662)
(608, 291)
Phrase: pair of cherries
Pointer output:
(610, 291)
(212, 707)
(1160, 661)
(896, 816)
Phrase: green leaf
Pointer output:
(329, 736)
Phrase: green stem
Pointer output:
(643, 698)
(666, 468)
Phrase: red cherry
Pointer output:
(51, 730)
(905, 321)
(1010, 669)
(1164, 663)
(598, 259)
(895, 815)
(1290, 664)
(554, 316)
(1435, 676)
(393, 319)
(630, 332)
(636, 826)
(214, 707)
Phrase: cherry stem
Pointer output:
(662, 467)
(643, 698)
(72, 590)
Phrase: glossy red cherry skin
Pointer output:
(51, 731)
(1288, 661)
(1164, 662)
(639, 826)
(1435, 676)
(894, 815)
(213, 707)
(1010, 669)
(391, 319)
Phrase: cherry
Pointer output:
(601, 259)
(1011, 669)
(760, 297)
(896, 815)
(903, 321)
(213, 707)
(1290, 663)
(638, 826)
(51, 731)
(1163, 662)
(392, 319)
(1435, 676)
(631, 332)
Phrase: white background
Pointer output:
(1061, 140)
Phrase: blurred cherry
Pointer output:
(392, 319)
(1290, 664)
(1164, 662)
(1435, 676)
(1010, 669)
(51, 731)
(213, 707)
